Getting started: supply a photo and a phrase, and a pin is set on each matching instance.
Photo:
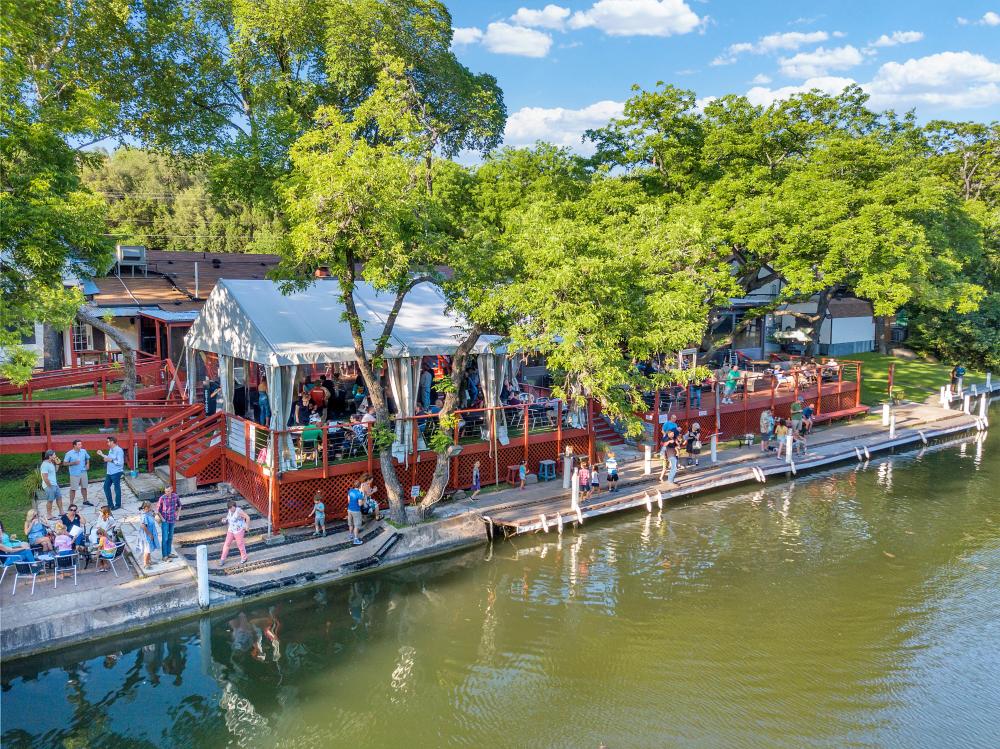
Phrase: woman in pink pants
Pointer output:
(236, 521)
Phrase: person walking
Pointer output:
(263, 403)
(695, 392)
(319, 515)
(957, 378)
(781, 435)
(766, 429)
(78, 461)
(115, 462)
(669, 451)
(210, 392)
(236, 522)
(148, 542)
(732, 380)
(583, 476)
(50, 484)
(355, 496)
(168, 508)
(477, 480)
(692, 444)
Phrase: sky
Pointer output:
(568, 66)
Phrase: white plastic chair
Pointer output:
(63, 564)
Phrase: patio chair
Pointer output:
(27, 569)
(64, 563)
(3, 561)
(119, 554)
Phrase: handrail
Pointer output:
(155, 449)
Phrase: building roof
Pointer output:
(254, 321)
(850, 307)
(169, 281)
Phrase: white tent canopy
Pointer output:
(254, 321)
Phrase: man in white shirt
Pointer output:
(78, 462)
(115, 461)
(369, 417)
(50, 484)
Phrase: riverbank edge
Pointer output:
(466, 531)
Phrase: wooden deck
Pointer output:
(916, 425)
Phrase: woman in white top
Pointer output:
(236, 521)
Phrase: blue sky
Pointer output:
(568, 65)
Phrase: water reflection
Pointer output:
(796, 614)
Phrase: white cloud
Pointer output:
(827, 84)
(989, 19)
(466, 35)
(947, 80)
(820, 61)
(784, 42)
(550, 17)
(957, 80)
(898, 37)
(761, 79)
(505, 39)
(638, 17)
(562, 127)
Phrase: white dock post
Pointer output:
(201, 555)
(943, 397)
(545, 523)
(923, 437)
(659, 499)
(885, 414)
(649, 502)
(982, 406)
(568, 473)
(857, 452)
(788, 448)
(579, 516)
(715, 448)
(967, 405)
(868, 455)
(559, 522)
(892, 426)
(647, 460)
(989, 381)
(575, 494)
(975, 392)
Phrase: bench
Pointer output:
(846, 413)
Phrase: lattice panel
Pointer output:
(541, 451)
(212, 473)
(250, 484)
(296, 499)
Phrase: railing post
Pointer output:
(173, 464)
(371, 450)
(819, 393)
(774, 387)
(746, 398)
(558, 434)
(246, 438)
(857, 393)
(48, 430)
(326, 457)
(274, 493)
(524, 423)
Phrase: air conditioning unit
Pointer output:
(130, 254)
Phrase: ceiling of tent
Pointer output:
(254, 321)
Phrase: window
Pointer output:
(82, 337)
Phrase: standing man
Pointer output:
(168, 508)
(211, 396)
(425, 386)
(354, 518)
(115, 462)
(669, 451)
(50, 484)
(78, 461)
(796, 412)
(957, 377)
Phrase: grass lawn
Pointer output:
(65, 394)
(917, 378)
(14, 501)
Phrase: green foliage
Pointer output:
(382, 436)
(440, 442)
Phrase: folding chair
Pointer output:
(25, 569)
(119, 554)
(3, 561)
(64, 563)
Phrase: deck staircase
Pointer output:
(195, 440)
(605, 432)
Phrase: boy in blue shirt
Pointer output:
(354, 518)
(319, 515)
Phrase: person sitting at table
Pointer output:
(106, 550)
(72, 521)
(369, 416)
(14, 549)
(105, 522)
(438, 405)
(63, 542)
(359, 428)
(36, 531)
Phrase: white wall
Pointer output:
(847, 330)
(38, 347)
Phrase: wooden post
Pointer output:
(656, 420)
(274, 500)
(857, 393)
(326, 457)
(892, 373)
(524, 424)
(416, 450)
(819, 393)
(47, 421)
(774, 387)
(246, 437)
(558, 434)
(173, 464)
(371, 449)
(590, 429)
(745, 400)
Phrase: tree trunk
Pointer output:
(822, 305)
(883, 333)
(442, 469)
(89, 317)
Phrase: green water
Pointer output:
(850, 608)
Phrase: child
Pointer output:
(595, 480)
(692, 444)
(583, 476)
(63, 541)
(522, 474)
(148, 543)
(477, 481)
(611, 466)
(319, 513)
(106, 550)
(780, 434)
